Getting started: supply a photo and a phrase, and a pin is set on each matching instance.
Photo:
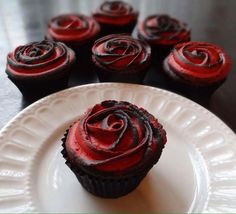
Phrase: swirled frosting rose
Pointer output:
(115, 137)
(121, 52)
(39, 59)
(115, 12)
(72, 28)
(163, 30)
(198, 63)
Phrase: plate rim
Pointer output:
(212, 116)
(51, 96)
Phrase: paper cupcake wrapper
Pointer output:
(113, 76)
(112, 29)
(102, 187)
(39, 87)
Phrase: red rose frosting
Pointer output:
(116, 13)
(198, 63)
(121, 52)
(38, 59)
(163, 30)
(72, 28)
(115, 137)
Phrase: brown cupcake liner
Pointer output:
(114, 76)
(34, 88)
(107, 29)
(101, 186)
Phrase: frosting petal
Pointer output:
(115, 136)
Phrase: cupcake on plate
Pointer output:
(116, 17)
(197, 65)
(121, 58)
(112, 147)
(163, 32)
(76, 31)
(40, 68)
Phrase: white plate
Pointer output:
(196, 173)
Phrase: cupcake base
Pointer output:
(102, 186)
(35, 88)
(107, 188)
(159, 53)
(114, 76)
(82, 51)
(107, 29)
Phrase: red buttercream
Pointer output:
(120, 52)
(39, 58)
(163, 30)
(114, 136)
(115, 13)
(199, 62)
(72, 28)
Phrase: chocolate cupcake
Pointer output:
(197, 65)
(121, 58)
(112, 147)
(163, 32)
(76, 31)
(40, 68)
(116, 17)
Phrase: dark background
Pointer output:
(23, 21)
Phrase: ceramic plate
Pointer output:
(196, 172)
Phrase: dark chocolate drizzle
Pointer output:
(131, 48)
(197, 53)
(164, 24)
(115, 8)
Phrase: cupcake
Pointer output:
(163, 32)
(116, 17)
(112, 147)
(121, 58)
(76, 31)
(40, 68)
(197, 65)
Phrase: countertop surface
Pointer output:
(212, 21)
